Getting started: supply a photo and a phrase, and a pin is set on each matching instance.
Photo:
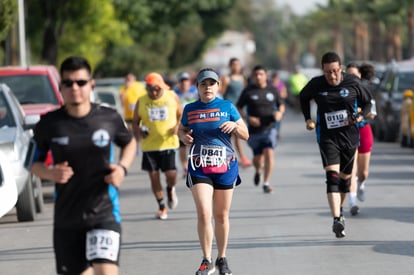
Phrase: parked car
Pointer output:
(8, 188)
(115, 82)
(17, 146)
(398, 77)
(36, 87)
(108, 96)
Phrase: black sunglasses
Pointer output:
(69, 83)
(153, 88)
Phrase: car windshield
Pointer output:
(405, 81)
(31, 89)
(6, 117)
(106, 98)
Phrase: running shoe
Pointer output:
(361, 194)
(256, 179)
(342, 217)
(162, 214)
(338, 227)
(267, 189)
(245, 162)
(354, 210)
(206, 268)
(172, 198)
(223, 267)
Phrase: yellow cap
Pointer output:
(408, 93)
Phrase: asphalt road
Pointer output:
(287, 232)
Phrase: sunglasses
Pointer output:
(153, 88)
(69, 83)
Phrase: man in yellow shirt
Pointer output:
(130, 92)
(155, 125)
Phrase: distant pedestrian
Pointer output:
(231, 87)
(129, 93)
(187, 93)
(155, 125)
(338, 97)
(207, 126)
(260, 100)
(360, 171)
(296, 82)
(282, 90)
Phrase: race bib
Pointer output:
(158, 114)
(102, 244)
(213, 159)
(336, 119)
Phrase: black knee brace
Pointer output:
(332, 182)
(344, 185)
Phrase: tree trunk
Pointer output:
(361, 41)
(293, 55)
(410, 36)
(397, 43)
(377, 42)
(49, 50)
(338, 42)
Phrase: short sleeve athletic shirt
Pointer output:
(159, 116)
(336, 106)
(205, 119)
(260, 103)
(87, 144)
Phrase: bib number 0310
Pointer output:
(102, 244)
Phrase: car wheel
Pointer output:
(25, 206)
(38, 193)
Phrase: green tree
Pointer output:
(59, 28)
(8, 16)
(166, 34)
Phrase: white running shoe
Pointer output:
(172, 198)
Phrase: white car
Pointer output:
(16, 147)
(108, 96)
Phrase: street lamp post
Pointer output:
(22, 34)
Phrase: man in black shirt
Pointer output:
(264, 108)
(339, 97)
(81, 137)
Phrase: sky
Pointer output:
(300, 7)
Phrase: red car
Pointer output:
(35, 87)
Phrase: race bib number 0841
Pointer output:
(102, 244)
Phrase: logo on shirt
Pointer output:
(61, 140)
(344, 92)
(205, 115)
(100, 138)
(270, 96)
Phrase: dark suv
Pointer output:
(398, 77)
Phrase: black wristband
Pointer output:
(125, 170)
